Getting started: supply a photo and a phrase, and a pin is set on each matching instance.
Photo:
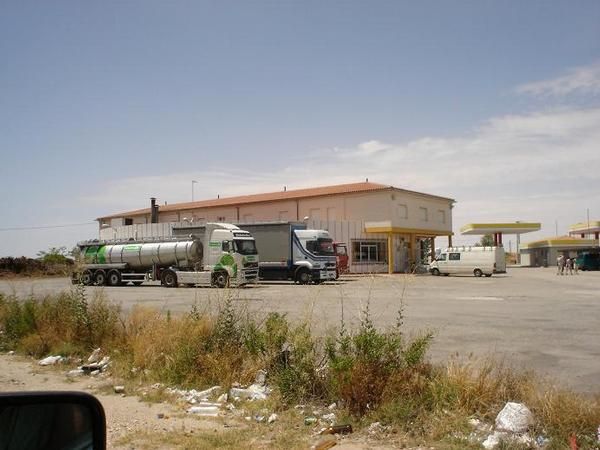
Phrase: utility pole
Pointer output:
(193, 183)
(588, 220)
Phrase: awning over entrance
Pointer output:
(385, 227)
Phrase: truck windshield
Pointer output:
(245, 246)
(320, 246)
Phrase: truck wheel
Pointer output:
(114, 278)
(86, 277)
(100, 277)
(221, 279)
(169, 278)
(477, 272)
(303, 276)
(435, 272)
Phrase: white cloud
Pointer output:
(540, 167)
(579, 80)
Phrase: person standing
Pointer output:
(560, 264)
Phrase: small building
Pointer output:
(586, 229)
(387, 229)
(543, 253)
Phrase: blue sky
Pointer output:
(496, 104)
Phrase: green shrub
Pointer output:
(363, 364)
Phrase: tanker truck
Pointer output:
(218, 254)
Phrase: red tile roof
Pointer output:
(267, 197)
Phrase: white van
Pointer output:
(477, 261)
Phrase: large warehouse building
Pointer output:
(386, 229)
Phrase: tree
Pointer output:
(487, 240)
(54, 255)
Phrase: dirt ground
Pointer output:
(132, 423)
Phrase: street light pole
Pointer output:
(193, 182)
(588, 221)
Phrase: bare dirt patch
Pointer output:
(135, 424)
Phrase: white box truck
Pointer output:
(475, 261)
(288, 251)
(217, 254)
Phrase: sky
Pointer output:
(104, 105)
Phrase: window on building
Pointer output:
(369, 251)
(128, 222)
(454, 256)
(402, 211)
(423, 214)
(441, 216)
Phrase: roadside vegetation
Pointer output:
(56, 261)
(373, 375)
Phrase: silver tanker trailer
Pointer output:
(218, 254)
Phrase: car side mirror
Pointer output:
(51, 420)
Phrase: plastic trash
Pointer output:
(95, 356)
(205, 409)
(514, 418)
(252, 392)
(207, 392)
(50, 360)
(261, 378)
(493, 440)
(75, 373)
(329, 417)
(310, 420)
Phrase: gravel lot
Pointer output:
(531, 317)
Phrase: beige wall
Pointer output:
(403, 209)
(269, 211)
(416, 212)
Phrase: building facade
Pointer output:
(583, 237)
(386, 229)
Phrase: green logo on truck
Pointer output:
(227, 261)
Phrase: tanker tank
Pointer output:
(144, 255)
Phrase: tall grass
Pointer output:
(64, 323)
(372, 374)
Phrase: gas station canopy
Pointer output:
(500, 228)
